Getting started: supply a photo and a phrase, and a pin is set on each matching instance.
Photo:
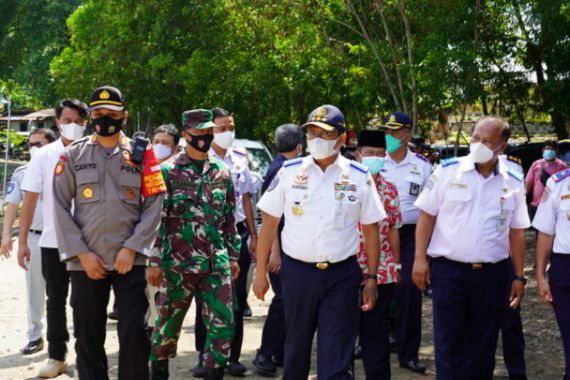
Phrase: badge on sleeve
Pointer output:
(10, 188)
(273, 183)
(60, 165)
(414, 188)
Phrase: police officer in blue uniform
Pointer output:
(322, 197)
(288, 141)
(410, 172)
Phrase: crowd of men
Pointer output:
(348, 246)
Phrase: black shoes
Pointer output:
(264, 364)
(236, 369)
(247, 313)
(159, 370)
(33, 346)
(199, 371)
(414, 366)
(214, 374)
(113, 315)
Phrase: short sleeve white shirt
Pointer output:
(39, 179)
(15, 195)
(474, 214)
(322, 209)
(553, 213)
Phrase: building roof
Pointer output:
(46, 113)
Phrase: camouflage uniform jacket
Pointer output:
(198, 232)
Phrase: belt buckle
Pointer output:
(476, 266)
(322, 266)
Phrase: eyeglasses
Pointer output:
(321, 133)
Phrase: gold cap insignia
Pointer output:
(392, 119)
(321, 114)
(104, 94)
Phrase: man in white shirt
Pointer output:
(323, 197)
(71, 119)
(474, 211)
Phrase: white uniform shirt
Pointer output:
(241, 177)
(15, 195)
(474, 214)
(410, 177)
(322, 210)
(553, 213)
(39, 179)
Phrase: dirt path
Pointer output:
(544, 353)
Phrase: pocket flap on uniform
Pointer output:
(458, 195)
(131, 180)
(86, 176)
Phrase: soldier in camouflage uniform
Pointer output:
(196, 251)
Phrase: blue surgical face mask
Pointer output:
(549, 155)
(373, 163)
(392, 143)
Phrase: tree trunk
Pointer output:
(411, 63)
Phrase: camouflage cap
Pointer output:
(198, 118)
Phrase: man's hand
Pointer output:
(544, 290)
(252, 247)
(125, 260)
(369, 295)
(274, 265)
(6, 246)
(260, 286)
(23, 255)
(234, 267)
(93, 265)
(517, 292)
(420, 273)
(154, 276)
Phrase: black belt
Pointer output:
(323, 265)
(459, 264)
(37, 232)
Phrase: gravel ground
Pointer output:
(544, 354)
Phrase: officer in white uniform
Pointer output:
(410, 172)
(474, 211)
(323, 197)
(552, 221)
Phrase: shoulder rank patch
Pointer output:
(10, 188)
(514, 159)
(359, 167)
(293, 162)
(239, 152)
(422, 157)
(449, 161)
(515, 174)
(561, 175)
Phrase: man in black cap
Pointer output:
(410, 172)
(322, 197)
(106, 240)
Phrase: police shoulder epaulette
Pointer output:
(422, 157)
(359, 167)
(515, 174)
(449, 161)
(514, 159)
(239, 152)
(293, 162)
(80, 140)
(561, 175)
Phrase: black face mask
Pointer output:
(107, 126)
(201, 143)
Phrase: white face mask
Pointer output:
(225, 139)
(33, 150)
(162, 151)
(72, 131)
(480, 153)
(321, 148)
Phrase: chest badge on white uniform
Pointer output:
(297, 209)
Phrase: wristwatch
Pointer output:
(372, 277)
(522, 279)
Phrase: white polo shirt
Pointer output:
(39, 179)
(15, 195)
(553, 213)
(241, 177)
(474, 214)
(322, 209)
(410, 177)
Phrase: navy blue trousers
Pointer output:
(467, 308)
(512, 334)
(560, 288)
(324, 299)
(374, 340)
(273, 336)
(408, 300)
